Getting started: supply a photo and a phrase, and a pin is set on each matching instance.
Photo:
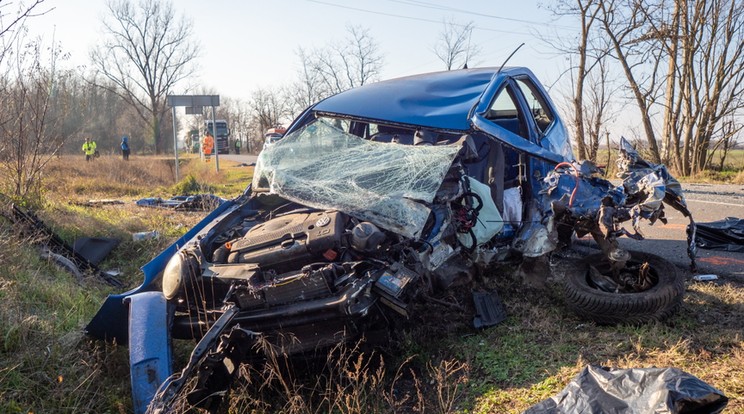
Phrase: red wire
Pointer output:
(576, 176)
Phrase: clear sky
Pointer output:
(248, 44)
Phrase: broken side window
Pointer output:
(504, 112)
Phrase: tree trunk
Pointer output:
(669, 116)
(635, 88)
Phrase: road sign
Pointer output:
(193, 100)
(194, 106)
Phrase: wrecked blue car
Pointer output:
(377, 197)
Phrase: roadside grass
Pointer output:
(717, 177)
(47, 364)
(435, 362)
(734, 160)
(542, 346)
(70, 178)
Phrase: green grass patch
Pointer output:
(436, 362)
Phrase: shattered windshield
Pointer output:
(387, 184)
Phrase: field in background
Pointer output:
(732, 172)
(436, 362)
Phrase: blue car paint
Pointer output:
(110, 323)
(515, 141)
(440, 100)
(451, 101)
(139, 317)
(149, 346)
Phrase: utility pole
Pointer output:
(609, 154)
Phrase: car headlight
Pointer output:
(174, 275)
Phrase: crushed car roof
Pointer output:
(439, 100)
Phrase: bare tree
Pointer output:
(727, 139)
(268, 109)
(597, 107)
(694, 51)
(146, 51)
(361, 57)
(337, 67)
(453, 47)
(711, 81)
(590, 51)
(588, 17)
(12, 22)
(309, 87)
(32, 109)
(95, 112)
(32, 114)
(243, 118)
(625, 27)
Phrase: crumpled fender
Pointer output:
(111, 321)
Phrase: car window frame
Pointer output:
(511, 88)
(530, 146)
(533, 130)
(541, 99)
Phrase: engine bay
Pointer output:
(289, 242)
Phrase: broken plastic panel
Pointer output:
(387, 184)
(489, 309)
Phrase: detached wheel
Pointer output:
(654, 291)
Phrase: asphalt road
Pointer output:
(243, 158)
(707, 202)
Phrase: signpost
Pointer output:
(194, 106)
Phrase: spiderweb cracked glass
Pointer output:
(387, 184)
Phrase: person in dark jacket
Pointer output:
(125, 147)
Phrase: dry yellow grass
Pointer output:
(72, 179)
(108, 175)
(529, 357)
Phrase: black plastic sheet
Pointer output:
(637, 390)
(726, 234)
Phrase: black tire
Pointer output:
(657, 303)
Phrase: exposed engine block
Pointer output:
(291, 241)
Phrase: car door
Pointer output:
(504, 114)
(548, 130)
(518, 117)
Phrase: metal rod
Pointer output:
(216, 142)
(175, 141)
